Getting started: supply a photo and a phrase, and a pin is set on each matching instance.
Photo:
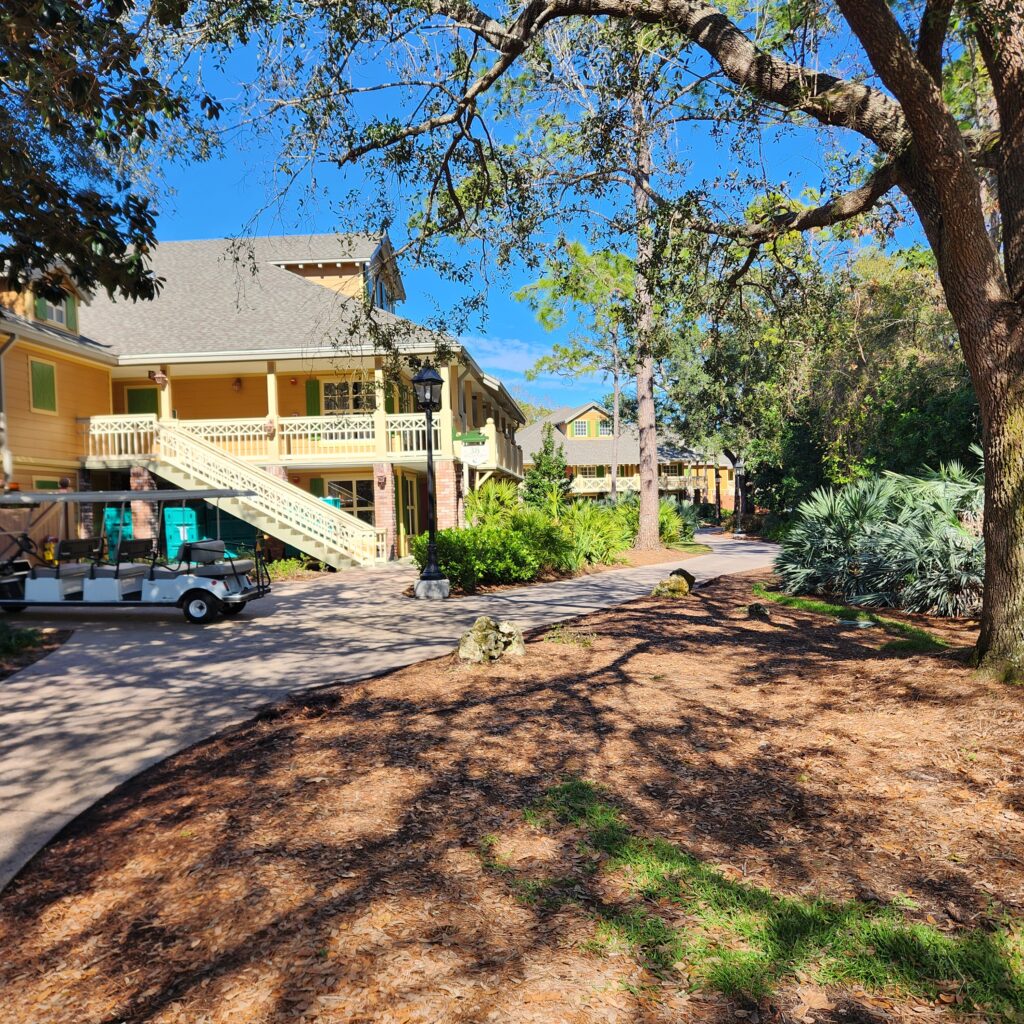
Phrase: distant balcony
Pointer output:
(591, 485)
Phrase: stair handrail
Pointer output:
(273, 497)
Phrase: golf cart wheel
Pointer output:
(229, 611)
(200, 606)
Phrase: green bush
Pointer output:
(493, 504)
(676, 522)
(595, 534)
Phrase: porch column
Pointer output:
(449, 399)
(144, 513)
(166, 406)
(384, 511)
(273, 410)
(380, 411)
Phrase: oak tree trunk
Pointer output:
(1001, 397)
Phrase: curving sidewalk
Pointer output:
(131, 688)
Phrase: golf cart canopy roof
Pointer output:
(23, 499)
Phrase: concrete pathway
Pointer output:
(132, 687)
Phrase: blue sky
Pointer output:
(219, 198)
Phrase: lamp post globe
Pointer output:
(426, 385)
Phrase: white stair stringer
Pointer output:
(276, 507)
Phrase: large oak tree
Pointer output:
(961, 172)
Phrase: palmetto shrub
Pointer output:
(493, 503)
(595, 533)
(676, 522)
(905, 542)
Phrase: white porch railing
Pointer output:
(603, 484)
(310, 436)
(121, 437)
(407, 434)
(244, 439)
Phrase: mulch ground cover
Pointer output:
(25, 646)
(664, 812)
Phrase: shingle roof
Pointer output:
(213, 301)
(20, 324)
(600, 451)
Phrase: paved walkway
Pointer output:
(130, 688)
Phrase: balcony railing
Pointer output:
(603, 484)
(300, 439)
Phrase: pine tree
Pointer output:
(548, 471)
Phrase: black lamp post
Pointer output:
(426, 386)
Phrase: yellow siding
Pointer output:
(346, 279)
(214, 398)
(82, 390)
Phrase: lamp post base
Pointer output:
(432, 590)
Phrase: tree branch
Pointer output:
(932, 36)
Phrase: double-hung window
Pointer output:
(579, 428)
(604, 428)
(345, 396)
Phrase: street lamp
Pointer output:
(739, 500)
(426, 385)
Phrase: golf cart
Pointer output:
(202, 578)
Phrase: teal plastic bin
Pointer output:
(117, 526)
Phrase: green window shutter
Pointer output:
(389, 399)
(40, 308)
(313, 397)
(72, 314)
(316, 486)
(600, 470)
(44, 386)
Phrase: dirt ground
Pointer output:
(362, 855)
(50, 640)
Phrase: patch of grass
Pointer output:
(743, 939)
(15, 639)
(561, 634)
(692, 547)
(910, 639)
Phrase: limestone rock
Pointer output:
(487, 640)
(691, 580)
(673, 587)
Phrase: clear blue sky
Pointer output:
(220, 198)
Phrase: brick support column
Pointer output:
(144, 513)
(448, 479)
(85, 510)
(384, 517)
(281, 472)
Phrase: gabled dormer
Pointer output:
(351, 265)
(590, 421)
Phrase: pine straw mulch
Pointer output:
(334, 860)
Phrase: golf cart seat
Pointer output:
(69, 566)
(127, 564)
(208, 559)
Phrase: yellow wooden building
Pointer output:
(253, 370)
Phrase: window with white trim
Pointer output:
(345, 396)
(604, 428)
(579, 428)
(57, 312)
(588, 472)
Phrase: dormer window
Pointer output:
(62, 313)
(604, 428)
(579, 428)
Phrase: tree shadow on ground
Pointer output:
(327, 856)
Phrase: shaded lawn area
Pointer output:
(664, 812)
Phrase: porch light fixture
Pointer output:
(159, 378)
(432, 584)
(427, 387)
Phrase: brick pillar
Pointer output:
(86, 512)
(384, 517)
(144, 513)
(281, 472)
(448, 481)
